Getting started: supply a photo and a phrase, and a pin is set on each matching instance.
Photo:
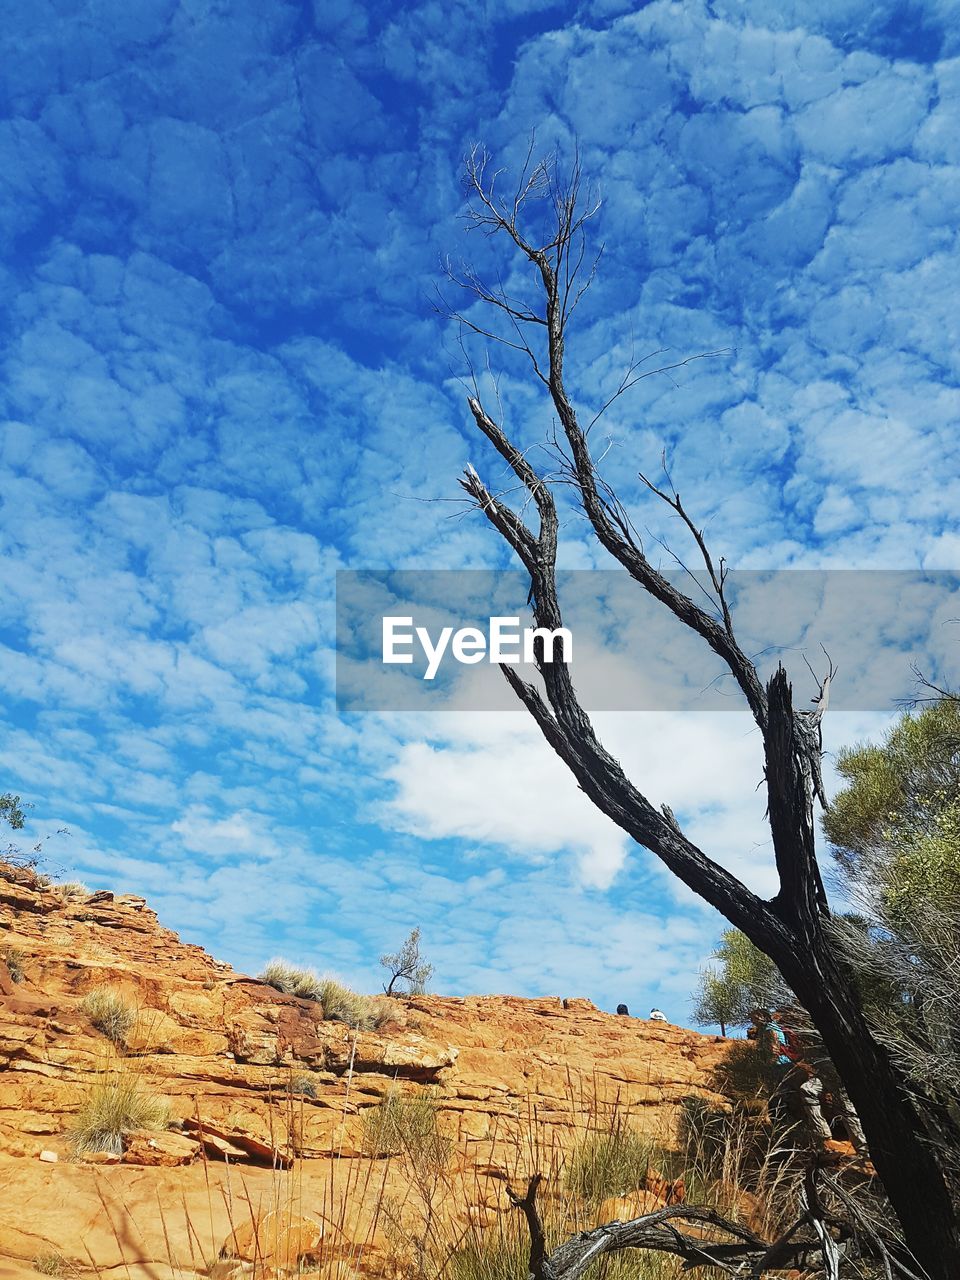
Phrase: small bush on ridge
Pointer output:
(291, 980)
(73, 891)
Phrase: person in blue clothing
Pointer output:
(779, 1042)
(801, 1080)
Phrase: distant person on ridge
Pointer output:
(623, 1011)
(657, 1015)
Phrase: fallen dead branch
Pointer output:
(742, 1253)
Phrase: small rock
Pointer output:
(50, 1157)
(166, 1149)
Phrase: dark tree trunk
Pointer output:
(793, 928)
(906, 1165)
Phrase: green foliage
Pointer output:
(406, 1123)
(409, 972)
(11, 812)
(745, 979)
(502, 1252)
(117, 1104)
(609, 1162)
(897, 820)
(712, 1138)
(110, 1012)
(496, 1255)
(747, 1070)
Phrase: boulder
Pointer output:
(275, 1239)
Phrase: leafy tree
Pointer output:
(407, 968)
(895, 831)
(745, 979)
(896, 824)
(11, 812)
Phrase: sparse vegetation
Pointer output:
(117, 1104)
(111, 1012)
(301, 1085)
(409, 972)
(73, 891)
(15, 960)
(439, 1228)
(50, 1264)
(340, 1004)
(406, 1124)
(609, 1162)
(291, 980)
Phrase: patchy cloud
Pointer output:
(222, 379)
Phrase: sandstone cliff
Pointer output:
(267, 1098)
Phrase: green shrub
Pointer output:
(406, 1123)
(117, 1104)
(610, 1162)
(110, 1012)
(15, 959)
(747, 1070)
(500, 1255)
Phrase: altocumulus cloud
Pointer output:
(223, 380)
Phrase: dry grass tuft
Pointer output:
(73, 891)
(117, 1104)
(110, 1012)
(15, 960)
(291, 980)
(50, 1264)
(340, 1004)
(406, 1124)
(609, 1162)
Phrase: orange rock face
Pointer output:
(266, 1100)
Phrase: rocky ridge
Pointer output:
(263, 1091)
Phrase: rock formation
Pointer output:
(266, 1137)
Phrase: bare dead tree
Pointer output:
(792, 927)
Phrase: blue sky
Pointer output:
(223, 379)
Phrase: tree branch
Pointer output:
(656, 1232)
